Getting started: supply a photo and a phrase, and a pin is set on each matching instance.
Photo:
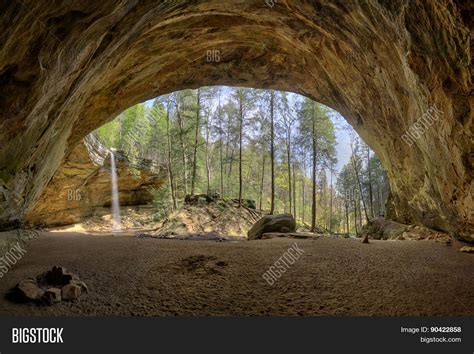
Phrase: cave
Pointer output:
(398, 71)
(67, 68)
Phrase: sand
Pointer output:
(334, 276)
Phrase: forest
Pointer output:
(275, 148)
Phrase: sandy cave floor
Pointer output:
(152, 277)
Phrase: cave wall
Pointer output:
(68, 67)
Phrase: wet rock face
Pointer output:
(68, 67)
(81, 187)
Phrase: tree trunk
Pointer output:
(261, 182)
(196, 136)
(221, 147)
(272, 152)
(371, 200)
(360, 213)
(347, 217)
(294, 190)
(170, 170)
(303, 191)
(208, 156)
(183, 149)
(229, 174)
(288, 157)
(313, 206)
(355, 218)
(354, 165)
(330, 198)
(241, 130)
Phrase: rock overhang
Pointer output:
(66, 69)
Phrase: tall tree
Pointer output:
(208, 149)
(245, 100)
(262, 182)
(287, 120)
(356, 165)
(169, 162)
(179, 102)
(314, 161)
(196, 136)
(221, 143)
(369, 174)
(317, 130)
(272, 150)
(294, 189)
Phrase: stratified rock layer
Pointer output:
(68, 67)
(81, 187)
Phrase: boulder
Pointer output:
(71, 292)
(283, 223)
(467, 249)
(51, 296)
(383, 229)
(29, 290)
(81, 284)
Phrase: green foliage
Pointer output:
(164, 132)
(161, 202)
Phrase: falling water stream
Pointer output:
(115, 202)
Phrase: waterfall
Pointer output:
(115, 202)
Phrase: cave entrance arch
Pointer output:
(381, 64)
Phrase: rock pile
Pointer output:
(51, 287)
(202, 219)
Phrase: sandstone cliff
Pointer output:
(81, 187)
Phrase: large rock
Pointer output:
(70, 292)
(82, 185)
(81, 284)
(68, 67)
(51, 296)
(383, 229)
(29, 290)
(467, 249)
(282, 223)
